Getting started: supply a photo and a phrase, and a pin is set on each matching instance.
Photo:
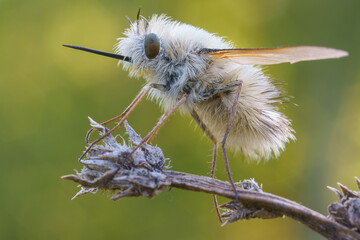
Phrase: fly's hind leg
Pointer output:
(225, 137)
(214, 91)
(213, 165)
(206, 96)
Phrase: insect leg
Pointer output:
(214, 91)
(124, 115)
(213, 165)
(136, 101)
(224, 141)
(162, 120)
(162, 88)
(155, 133)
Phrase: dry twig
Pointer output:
(146, 174)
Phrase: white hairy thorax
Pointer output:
(258, 129)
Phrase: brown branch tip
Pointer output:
(145, 173)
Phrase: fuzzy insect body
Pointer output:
(258, 130)
(178, 60)
(221, 87)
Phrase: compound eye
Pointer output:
(152, 45)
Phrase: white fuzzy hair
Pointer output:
(258, 129)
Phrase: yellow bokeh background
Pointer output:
(47, 92)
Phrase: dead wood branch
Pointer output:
(106, 167)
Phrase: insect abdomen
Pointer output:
(258, 129)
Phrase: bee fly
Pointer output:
(221, 87)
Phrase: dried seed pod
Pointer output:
(347, 211)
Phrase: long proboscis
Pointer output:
(106, 54)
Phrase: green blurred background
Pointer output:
(47, 92)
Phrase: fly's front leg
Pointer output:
(162, 120)
(135, 102)
(155, 133)
(124, 115)
(162, 88)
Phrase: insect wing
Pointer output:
(268, 56)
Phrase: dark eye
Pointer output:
(152, 45)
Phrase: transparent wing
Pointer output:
(268, 56)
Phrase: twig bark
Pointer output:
(145, 175)
(261, 200)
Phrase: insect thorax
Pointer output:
(178, 66)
